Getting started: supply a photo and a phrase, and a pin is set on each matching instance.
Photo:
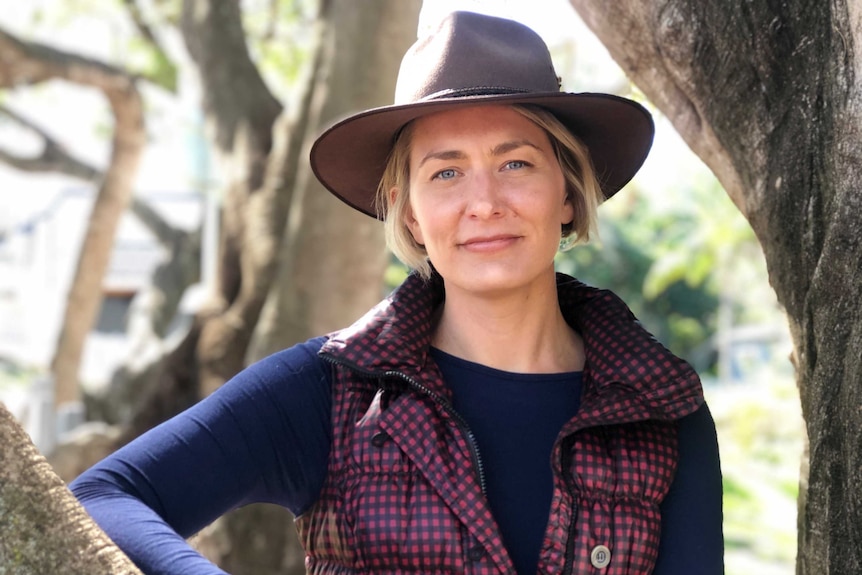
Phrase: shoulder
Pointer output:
(297, 359)
(698, 426)
(283, 376)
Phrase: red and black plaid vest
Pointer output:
(404, 491)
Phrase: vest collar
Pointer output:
(628, 372)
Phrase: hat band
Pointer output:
(473, 91)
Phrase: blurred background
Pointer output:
(672, 245)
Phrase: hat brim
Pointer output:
(349, 158)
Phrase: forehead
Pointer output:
(468, 125)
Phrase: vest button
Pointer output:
(379, 439)
(600, 557)
(476, 553)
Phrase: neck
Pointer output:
(516, 332)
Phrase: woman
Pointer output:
(490, 416)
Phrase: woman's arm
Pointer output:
(692, 539)
(262, 437)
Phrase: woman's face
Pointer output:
(487, 198)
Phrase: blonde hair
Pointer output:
(582, 189)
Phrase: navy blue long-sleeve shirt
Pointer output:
(265, 437)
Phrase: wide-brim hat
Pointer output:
(474, 59)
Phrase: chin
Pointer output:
(494, 279)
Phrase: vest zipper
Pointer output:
(434, 396)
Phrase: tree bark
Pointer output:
(769, 96)
(26, 63)
(43, 528)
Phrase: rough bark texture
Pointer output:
(26, 63)
(43, 528)
(324, 285)
(768, 94)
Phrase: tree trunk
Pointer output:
(333, 257)
(769, 95)
(43, 528)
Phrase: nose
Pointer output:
(485, 199)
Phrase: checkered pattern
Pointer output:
(402, 493)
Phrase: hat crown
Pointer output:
(472, 54)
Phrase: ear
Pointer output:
(409, 218)
(567, 214)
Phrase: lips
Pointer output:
(489, 243)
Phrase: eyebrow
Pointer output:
(444, 155)
(498, 150)
(507, 147)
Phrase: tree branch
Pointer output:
(235, 94)
(54, 157)
(25, 63)
(166, 234)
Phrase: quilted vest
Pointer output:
(405, 485)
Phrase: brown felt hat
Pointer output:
(473, 59)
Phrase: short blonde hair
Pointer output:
(582, 189)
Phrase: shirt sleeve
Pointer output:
(692, 539)
(264, 436)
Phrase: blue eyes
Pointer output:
(451, 173)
